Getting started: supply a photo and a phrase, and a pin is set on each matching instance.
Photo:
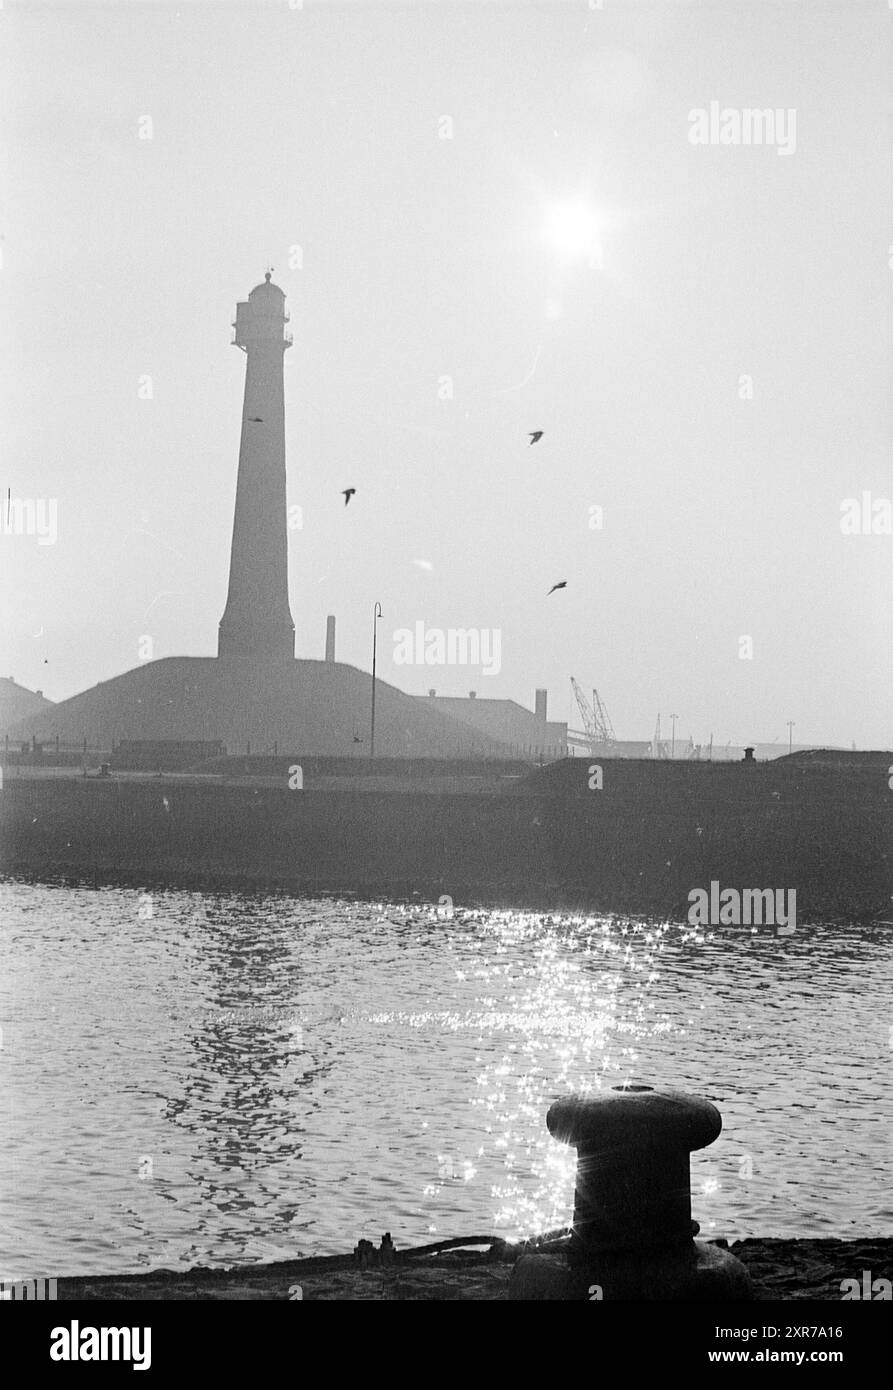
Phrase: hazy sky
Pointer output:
(424, 258)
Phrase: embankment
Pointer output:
(639, 843)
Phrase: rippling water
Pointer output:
(190, 1078)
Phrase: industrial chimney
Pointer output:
(542, 697)
(330, 639)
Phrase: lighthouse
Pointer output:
(257, 624)
(254, 693)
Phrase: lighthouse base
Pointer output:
(263, 644)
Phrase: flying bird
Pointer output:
(562, 584)
(347, 493)
(535, 436)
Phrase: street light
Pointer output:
(673, 717)
(375, 617)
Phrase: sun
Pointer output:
(572, 229)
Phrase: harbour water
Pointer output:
(210, 1079)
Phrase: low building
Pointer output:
(525, 733)
(18, 703)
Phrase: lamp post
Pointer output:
(375, 617)
(790, 735)
(673, 718)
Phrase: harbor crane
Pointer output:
(596, 723)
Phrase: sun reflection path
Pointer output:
(577, 989)
(562, 1004)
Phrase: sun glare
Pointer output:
(572, 228)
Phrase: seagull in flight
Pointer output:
(347, 493)
(562, 584)
(535, 437)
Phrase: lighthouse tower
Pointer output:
(257, 624)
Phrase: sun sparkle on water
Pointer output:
(573, 1005)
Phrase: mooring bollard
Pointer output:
(633, 1234)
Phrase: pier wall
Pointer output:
(641, 843)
